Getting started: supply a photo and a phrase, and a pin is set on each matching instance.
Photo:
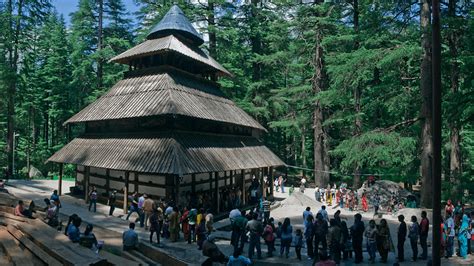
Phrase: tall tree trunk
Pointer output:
(357, 95)
(212, 32)
(100, 62)
(13, 33)
(426, 106)
(303, 149)
(455, 155)
(321, 158)
(255, 40)
(46, 129)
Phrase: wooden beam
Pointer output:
(107, 181)
(41, 254)
(244, 193)
(225, 178)
(125, 193)
(65, 251)
(231, 178)
(87, 171)
(13, 251)
(135, 182)
(216, 192)
(60, 181)
(260, 176)
(193, 183)
(270, 176)
(177, 184)
(210, 183)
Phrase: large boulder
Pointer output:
(34, 172)
(385, 189)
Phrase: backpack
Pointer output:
(268, 233)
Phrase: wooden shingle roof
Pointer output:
(175, 22)
(168, 153)
(168, 92)
(167, 44)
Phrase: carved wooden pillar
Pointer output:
(125, 193)
(60, 179)
(87, 171)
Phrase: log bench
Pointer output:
(13, 251)
(66, 252)
(45, 257)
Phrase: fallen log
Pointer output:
(117, 260)
(45, 257)
(13, 217)
(13, 250)
(66, 252)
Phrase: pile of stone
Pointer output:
(385, 189)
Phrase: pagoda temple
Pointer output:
(166, 129)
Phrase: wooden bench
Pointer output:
(66, 252)
(13, 251)
(45, 257)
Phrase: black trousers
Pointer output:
(298, 252)
(322, 240)
(414, 248)
(335, 253)
(309, 247)
(112, 208)
(424, 246)
(401, 250)
(357, 246)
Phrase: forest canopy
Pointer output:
(343, 88)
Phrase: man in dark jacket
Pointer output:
(357, 232)
(320, 233)
(401, 236)
(334, 241)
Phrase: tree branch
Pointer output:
(395, 126)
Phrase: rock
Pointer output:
(385, 189)
(35, 173)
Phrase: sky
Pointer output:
(66, 7)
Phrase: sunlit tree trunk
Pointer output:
(426, 106)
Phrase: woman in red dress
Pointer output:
(365, 206)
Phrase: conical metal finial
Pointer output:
(175, 22)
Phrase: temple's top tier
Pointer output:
(173, 42)
(176, 23)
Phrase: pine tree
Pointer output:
(426, 107)
(19, 17)
(83, 38)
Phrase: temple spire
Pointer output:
(176, 23)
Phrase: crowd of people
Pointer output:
(346, 198)
(457, 223)
(327, 239)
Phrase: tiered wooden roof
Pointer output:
(166, 91)
(169, 152)
(165, 45)
(159, 89)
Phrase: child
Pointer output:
(278, 231)
(292, 188)
(269, 237)
(298, 243)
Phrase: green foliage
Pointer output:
(270, 49)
